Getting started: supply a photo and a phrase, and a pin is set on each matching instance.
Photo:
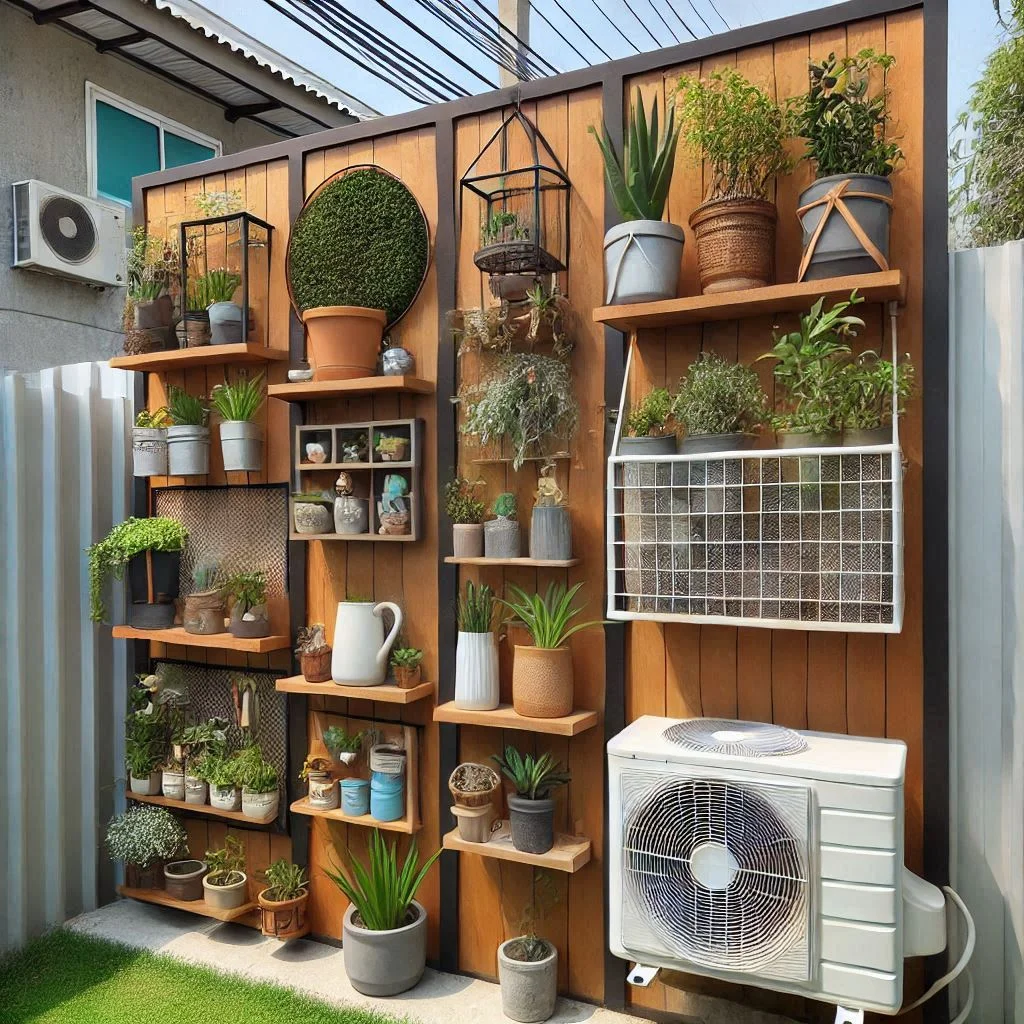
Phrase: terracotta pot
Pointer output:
(285, 919)
(542, 682)
(735, 244)
(344, 341)
(407, 678)
(204, 613)
(316, 668)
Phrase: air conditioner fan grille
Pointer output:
(741, 739)
(67, 228)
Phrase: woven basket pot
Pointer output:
(285, 919)
(476, 798)
(542, 682)
(735, 244)
(316, 668)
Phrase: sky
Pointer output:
(974, 31)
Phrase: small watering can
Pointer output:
(361, 650)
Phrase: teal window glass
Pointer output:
(125, 146)
(178, 151)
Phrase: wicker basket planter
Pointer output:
(735, 244)
(542, 683)
(204, 613)
(473, 775)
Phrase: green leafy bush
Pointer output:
(239, 401)
(720, 397)
(647, 417)
(460, 504)
(249, 589)
(869, 383)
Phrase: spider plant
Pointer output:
(475, 611)
(533, 777)
(548, 618)
(186, 409)
(239, 401)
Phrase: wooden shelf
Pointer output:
(305, 467)
(569, 853)
(883, 286)
(385, 692)
(201, 907)
(201, 355)
(527, 563)
(308, 390)
(401, 825)
(373, 537)
(502, 460)
(213, 641)
(202, 810)
(505, 717)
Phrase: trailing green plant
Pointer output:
(361, 241)
(475, 610)
(155, 420)
(844, 126)
(109, 556)
(533, 778)
(213, 286)
(720, 397)
(249, 589)
(144, 835)
(505, 505)
(285, 881)
(503, 226)
(406, 657)
(226, 864)
(869, 383)
(239, 401)
(548, 618)
(738, 129)
(186, 410)
(339, 741)
(639, 182)
(252, 772)
(461, 506)
(647, 418)
(528, 400)
(381, 891)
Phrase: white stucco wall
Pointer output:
(45, 321)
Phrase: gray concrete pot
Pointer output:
(663, 445)
(551, 533)
(468, 540)
(188, 451)
(225, 897)
(226, 798)
(149, 451)
(698, 444)
(149, 786)
(260, 805)
(225, 323)
(351, 515)
(501, 538)
(532, 821)
(641, 261)
(385, 963)
(837, 251)
(183, 879)
(528, 990)
(241, 444)
(857, 437)
(311, 517)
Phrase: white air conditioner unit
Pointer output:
(760, 855)
(60, 233)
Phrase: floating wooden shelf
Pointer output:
(214, 641)
(401, 825)
(499, 460)
(203, 810)
(373, 537)
(569, 853)
(306, 467)
(505, 717)
(201, 907)
(883, 286)
(201, 355)
(307, 390)
(385, 692)
(527, 563)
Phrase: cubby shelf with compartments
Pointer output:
(378, 463)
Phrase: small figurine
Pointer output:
(343, 485)
(548, 492)
(396, 361)
(395, 489)
(315, 452)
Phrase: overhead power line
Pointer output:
(568, 42)
(641, 22)
(661, 18)
(604, 15)
(695, 11)
(504, 31)
(501, 33)
(597, 46)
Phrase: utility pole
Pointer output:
(514, 16)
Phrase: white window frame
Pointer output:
(95, 92)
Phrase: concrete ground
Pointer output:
(318, 970)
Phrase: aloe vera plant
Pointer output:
(533, 777)
(548, 618)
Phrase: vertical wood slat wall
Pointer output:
(865, 684)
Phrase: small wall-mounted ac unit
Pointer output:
(760, 855)
(70, 236)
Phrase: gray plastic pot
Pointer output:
(663, 445)
(149, 451)
(551, 533)
(468, 540)
(148, 786)
(698, 444)
(385, 963)
(188, 451)
(225, 323)
(837, 251)
(529, 990)
(501, 538)
(641, 261)
(532, 822)
(858, 437)
(241, 444)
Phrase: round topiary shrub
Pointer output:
(360, 240)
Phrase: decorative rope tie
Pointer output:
(631, 239)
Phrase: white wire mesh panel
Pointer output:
(810, 540)
(741, 739)
(716, 873)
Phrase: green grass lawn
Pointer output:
(64, 978)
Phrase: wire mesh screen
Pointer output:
(810, 540)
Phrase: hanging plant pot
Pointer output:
(501, 538)
(698, 444)
(735, 244)
(664, 444)
(149, 451)
(183, 879)
(468, 540)
(551, 533)
(152, 588)
(226, 897)
(542, 682)
(859, 437)
(529, 988)
(384, 963)
(197, 328)
(241, 444)
(250, 624)
(225, 323)
(151, 314)
(641, 261)
(476, 672)
(204, 613)
(283, 919)
(532, 823)
(344, 341)
(226, 798)
(807, 439)
(188, 450)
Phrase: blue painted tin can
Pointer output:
(355, 796)
(387, 796)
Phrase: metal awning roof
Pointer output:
(206, 55)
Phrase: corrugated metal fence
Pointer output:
(66, 473)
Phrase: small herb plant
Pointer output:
(475, 610)
(311, 639)
(548, 618)
(285, 881)
(109, 556)
(503, 226)
(239, 402)
(338, 741)
(720, 397)
(158, 419)
(406, 657)
(227, 863)
(533, 778)
(505, 505)
(253, 773)
(144, 835)
(213, 286)
(249, 589)
(869, 383)
(382, 892)
(186, 410)
(460, 503)
(648, 417)
(145, 734)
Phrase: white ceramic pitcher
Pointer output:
(361, 650)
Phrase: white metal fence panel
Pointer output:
(66, 472)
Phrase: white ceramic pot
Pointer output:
(476, 672)
(641, 261)
(259, 805)
(188, 451)
(149, 451)
(173, 785)
(226, 798)
(361, 649)
(195, 790)
(241, 444)
(225, 323)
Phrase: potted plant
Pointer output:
(845, 213)
(183, 879)
(550, 526)
(388, 764)
(151, 549)
(542, 682)
(312, 512)
(204, 607)
(642, 255)
(145, 741)
(145, 838)
(531, 811)
(283, 902)
(224, 884)
(357, 255)
(501, 534)
(220, 772)
(646, 426)
(528, 964)
(196, 318)
(241, 439)
(385, 930)
(188, 436)
(528, 401)
(472, 787)
(321, 786)
(152, 269)
(198, 742)
(406, 664)
(249, 614)
(721, 404)
(258, 779)
(314, 653)
(172, 778)
(871, 387)
(225, 316)
(466, 513)
(740, 131)
(149, 443)
(476, 654)
(342, 745)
